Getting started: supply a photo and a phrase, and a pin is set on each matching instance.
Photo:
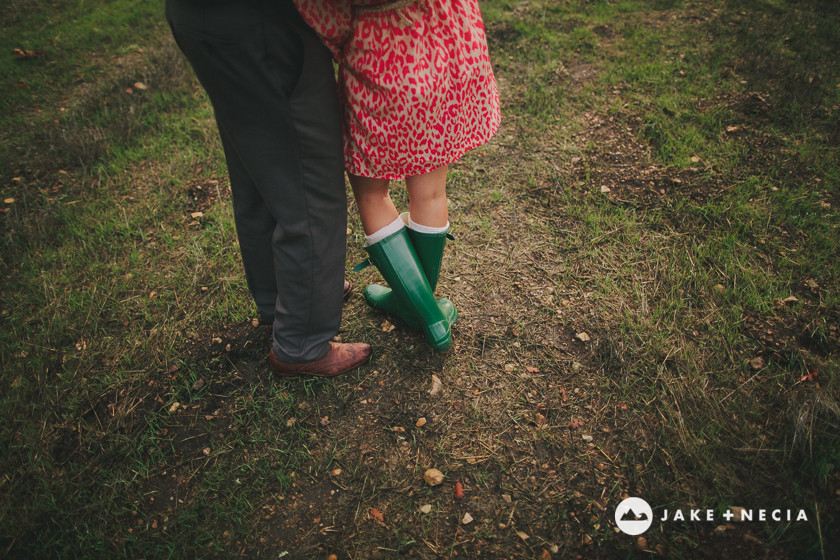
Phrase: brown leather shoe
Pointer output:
(342, 357)
(265, 320)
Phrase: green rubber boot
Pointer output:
(397, 261)
(429, 248)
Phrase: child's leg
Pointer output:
(427, 198)
(389, 248)
(376, 209)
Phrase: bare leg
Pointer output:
(376, 209)
(427, 197)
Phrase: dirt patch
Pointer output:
(202, 194)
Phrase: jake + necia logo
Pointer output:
(633, 516)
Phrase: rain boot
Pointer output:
(429, 248)
(399, 265)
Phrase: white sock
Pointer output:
(384, 232)
(426, 229)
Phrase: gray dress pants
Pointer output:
(273, 90)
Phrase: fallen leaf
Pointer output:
(530, 369)
(523, 535)
(809, 376)
(509, 368)
(539, 419)
(574, 424)
(206, 451)
(325, 421)
(420, 422)
(196, 214)
(387, 326)
(174, 406)
(467, 519)
(433, 477)
(506, 497)
(739, 513)
(336, 472)
(8, 200)
(732, 128)
(140, 85)
(426, 508)
(582, 336)
(563, 394)
(790, 299)
(757, 362)
(459, 490)
(376, 514)
(26, 54)
(605, 189)
(641, 543)
(436, 385)
(545, 555)
(291, 422)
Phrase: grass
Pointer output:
(665, 180)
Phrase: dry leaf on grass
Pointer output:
(458, 490)
(809, 376)
(376, 514)
(436, 385)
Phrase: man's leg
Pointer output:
(272, 87)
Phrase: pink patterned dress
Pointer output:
(415, 80)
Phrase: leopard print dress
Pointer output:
(415, 79)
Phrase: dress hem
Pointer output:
(421, 169)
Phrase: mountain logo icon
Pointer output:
(633, 516)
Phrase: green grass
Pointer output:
(713, 125)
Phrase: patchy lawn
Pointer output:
(646, 272)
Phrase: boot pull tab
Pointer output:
(362, 265)
(450, 237)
